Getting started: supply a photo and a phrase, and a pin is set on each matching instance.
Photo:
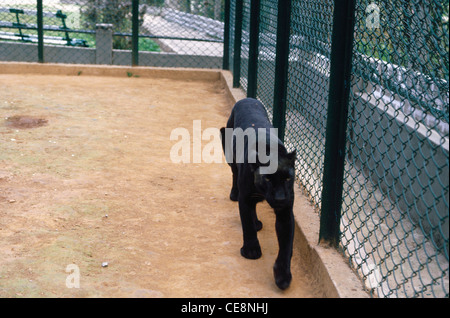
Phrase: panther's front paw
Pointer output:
(258, 225)
(251, 251)
(282, 276)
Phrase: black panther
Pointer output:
(252, 183)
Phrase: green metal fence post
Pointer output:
(135, 33)
(338, 99)
(281, 66)
(40, 30)
(237, 43)
(253, 49)
(226, 36)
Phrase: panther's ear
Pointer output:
(292, 156)
(254, 167)
(222, 137)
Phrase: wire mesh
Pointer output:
(193, 30)
(16, 20)
(311, 25)
(171, 33)
(245, 46)
(232, 30)
(395, 204)
(267, 53)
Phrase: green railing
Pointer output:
(360, 89)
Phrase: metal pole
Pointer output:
(135, 33)
(237, 43)
(226, 37)
(281, 66)
(253, 49)
(338, 100)
(40, 30)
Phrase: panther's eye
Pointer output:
(266, 178)
(288, 179)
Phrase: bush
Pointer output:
(115, 12)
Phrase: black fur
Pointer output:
(250, 187)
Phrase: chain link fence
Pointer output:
(395, 220)
(394, 208)
(266, 54)
(311, 24)
(168, 33)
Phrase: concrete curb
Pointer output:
(327, 266)
(187, 74)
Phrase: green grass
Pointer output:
(148, 45)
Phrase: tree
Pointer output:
(115, 12)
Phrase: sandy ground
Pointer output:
(86, 178)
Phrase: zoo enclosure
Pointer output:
(360, 90)
(368, 113)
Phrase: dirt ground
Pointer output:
(86, 178)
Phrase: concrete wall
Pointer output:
(406, 160)
(24, 52)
